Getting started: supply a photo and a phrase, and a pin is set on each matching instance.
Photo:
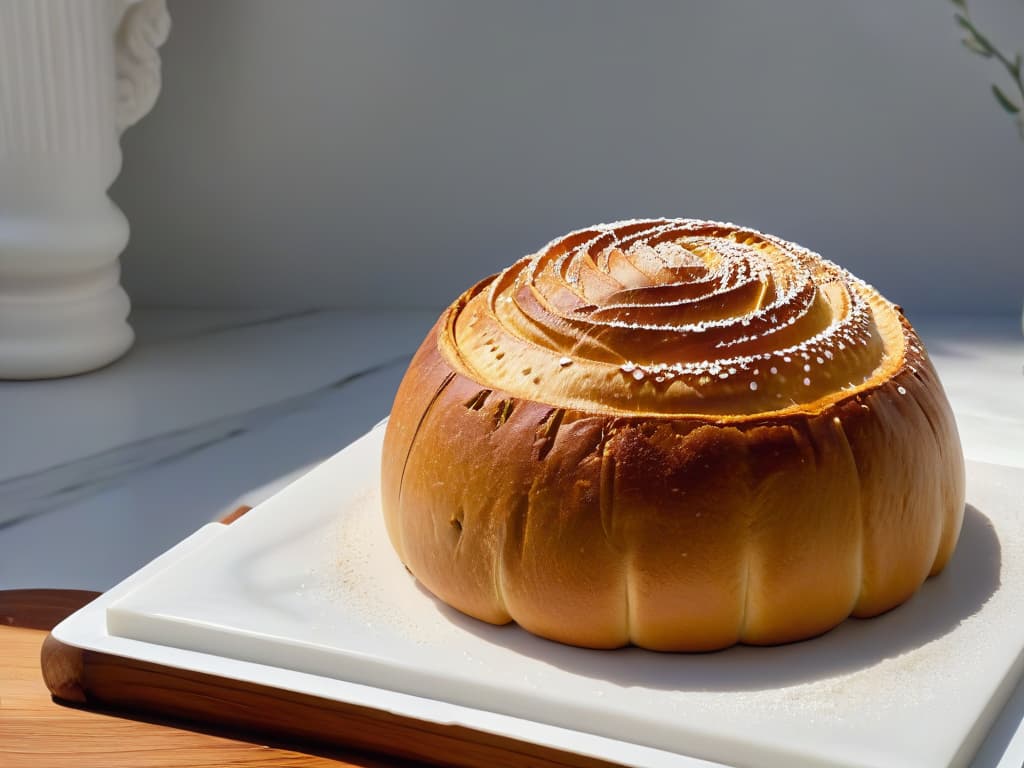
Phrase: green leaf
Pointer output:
(1004, 100)
(972, 44)
(962, 4)
(1017, 65)
(978, 42)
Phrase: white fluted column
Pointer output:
(73, 74)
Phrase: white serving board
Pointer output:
(305, 593)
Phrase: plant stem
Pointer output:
(981, 45)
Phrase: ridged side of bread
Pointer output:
(674, 433)
(682, 534)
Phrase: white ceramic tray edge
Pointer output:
(90, 631)
(87, 629)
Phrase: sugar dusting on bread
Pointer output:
(673, 305)
(672, 433)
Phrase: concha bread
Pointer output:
(673, 433)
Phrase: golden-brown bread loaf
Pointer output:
(674, 433)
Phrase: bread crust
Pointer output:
(674, 532)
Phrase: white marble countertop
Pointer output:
(101, 473)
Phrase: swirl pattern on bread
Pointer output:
(674, 433)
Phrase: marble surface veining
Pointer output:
(101, 473)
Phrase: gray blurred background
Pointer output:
(382, 153)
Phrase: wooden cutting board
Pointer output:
(37, 732)
(110, 710)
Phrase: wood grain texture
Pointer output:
(41, 608)
(120, 711)
(37, 732)
(97, 679)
